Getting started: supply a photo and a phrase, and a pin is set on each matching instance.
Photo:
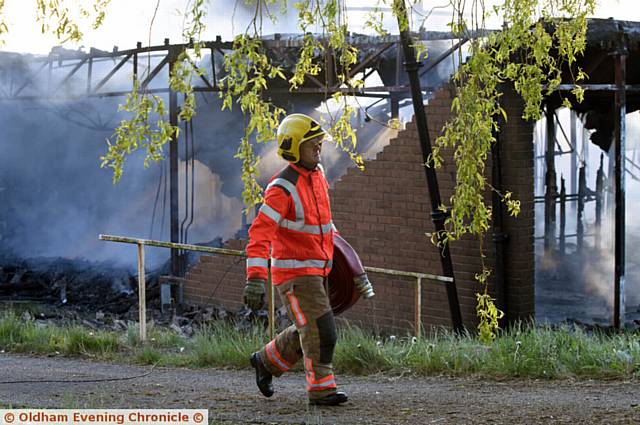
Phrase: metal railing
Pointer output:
(141, 243)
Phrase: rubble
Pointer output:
(102, 296)
(63, 281)
(186, 323)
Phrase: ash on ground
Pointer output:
(578, 286)
(103, 296)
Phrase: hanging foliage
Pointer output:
(529, 52)
(62, 17)
(148, 126)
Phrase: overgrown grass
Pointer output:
(524, 351)
(28, 337)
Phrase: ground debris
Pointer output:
(104, 296)
(63, 281)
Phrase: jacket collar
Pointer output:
(303, 170)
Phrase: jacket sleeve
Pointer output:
(263, 231)
(326, 182)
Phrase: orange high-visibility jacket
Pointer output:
(295, 223)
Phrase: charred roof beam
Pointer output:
(444, 55)
(362, 65)
(112, 73)
(29, 80)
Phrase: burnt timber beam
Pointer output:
(220, 45)
(620, 104)
(551, 188)
(148, 49)
(438, 216)
(213, 68)
(155, 72)
(135, 63)
(574, 150)
(315, 81)
(599, 87)
(202, 77)
(444, 55)
(362, 65)
(126, 55)
(89, 75)
(71, 73)
(377, 92)
(29, 80)
(112, 73)
(564, 134)
(596, 62)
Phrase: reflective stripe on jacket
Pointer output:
(294, 224)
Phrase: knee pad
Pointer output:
(328, 336)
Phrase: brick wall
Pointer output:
(384, 212)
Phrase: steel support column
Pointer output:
(619, 131)
(551, 188)
(438, 217)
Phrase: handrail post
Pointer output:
(418, 308)
(142, 297)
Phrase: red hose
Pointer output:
(343, 293)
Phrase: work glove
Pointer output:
(254, 294)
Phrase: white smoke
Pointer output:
(580, 285)
(215, 214)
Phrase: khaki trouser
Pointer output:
(312, 336)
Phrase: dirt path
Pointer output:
(231, 397)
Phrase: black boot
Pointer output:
(330, 400)
(263, 376)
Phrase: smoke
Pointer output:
(55, 199)
(580, 284)
(216, 213)
(58, 199)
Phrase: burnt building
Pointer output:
(384, 211)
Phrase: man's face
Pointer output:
(310, 152)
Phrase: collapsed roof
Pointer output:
(606, 38)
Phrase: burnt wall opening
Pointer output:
(586, 239)
(575, 275)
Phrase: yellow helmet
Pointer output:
(294, 130)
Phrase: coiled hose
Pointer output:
(347, 270)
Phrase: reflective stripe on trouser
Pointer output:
(312, 336)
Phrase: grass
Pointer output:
(523, 351)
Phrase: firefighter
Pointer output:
(294, 226)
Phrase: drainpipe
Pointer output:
(176, 266)
(499, 237)
(411, 66)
